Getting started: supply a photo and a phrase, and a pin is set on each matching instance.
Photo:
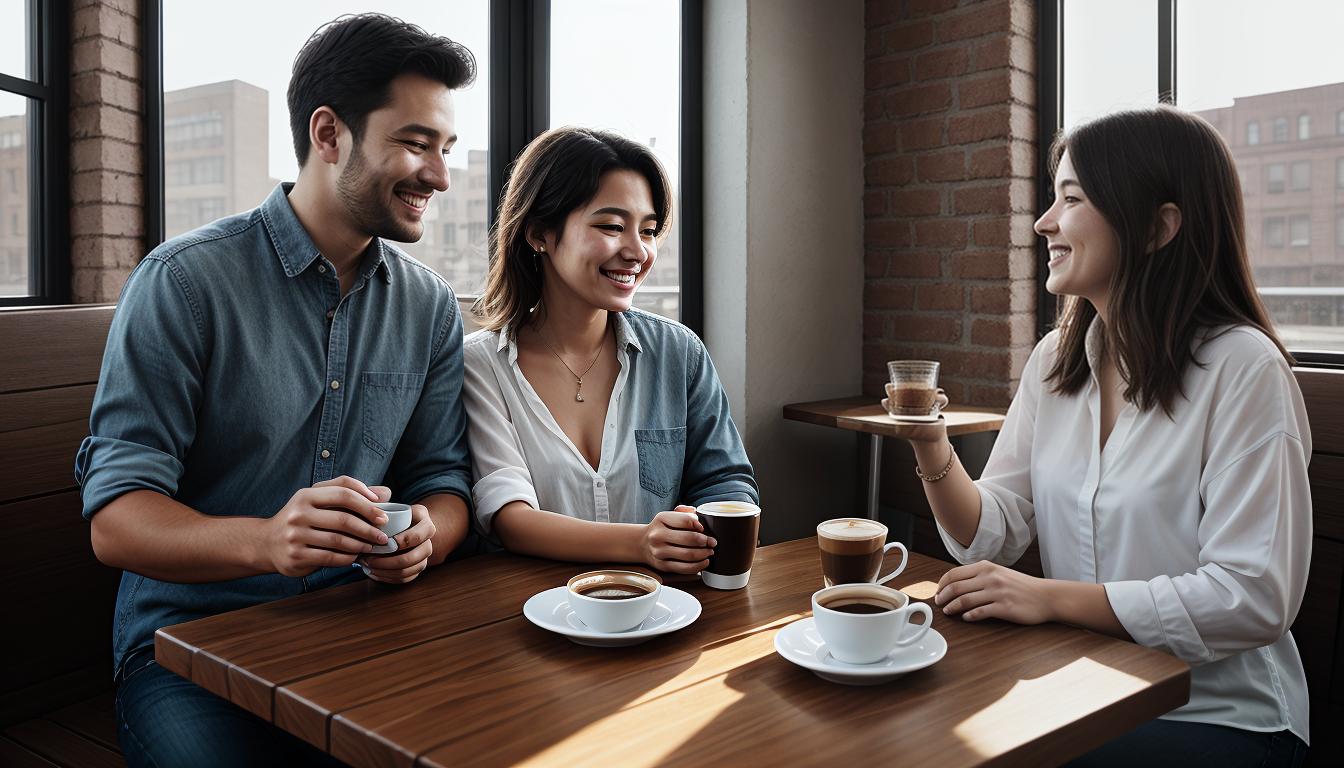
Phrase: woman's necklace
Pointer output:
(578, 377)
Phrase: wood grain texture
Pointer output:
(478, 684)
(63, 747)
(1323, 393)
(15, 755)
(95, 719)
(53, 346)
(861, 414)
(40, 459)
(1327, 495)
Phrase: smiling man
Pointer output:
(272, 375)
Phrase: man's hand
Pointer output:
(675, 542)
(327, 525)
(986, 590)
(415, 546)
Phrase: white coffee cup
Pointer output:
(613, 601)
(866, 638)
(398, 520)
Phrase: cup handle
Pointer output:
(923, 628)
(905, 557)
(940, 401)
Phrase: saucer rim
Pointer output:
(693, 607)
(848, 670)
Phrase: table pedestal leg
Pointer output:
(874, 474)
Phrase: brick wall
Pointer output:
(106, 149)
(949, 192)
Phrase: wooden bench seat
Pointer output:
(56, 706)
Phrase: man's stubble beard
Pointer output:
(359, 194)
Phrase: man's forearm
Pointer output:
(449, 513)
(148, 533)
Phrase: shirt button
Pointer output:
(331, 313)
(599, 483)
(335, 384)
(326, 454)
(322, 269)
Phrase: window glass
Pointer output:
(615, 65)
(226, 127)
(1097, 34)
(15, 155)
(14, 39)
(1232, 73)
(1252, 133)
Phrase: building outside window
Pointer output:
(1280, 130)
(1303, 127)
(1274, 178)
(1274, 232)
(1301, 175)
(1299, 231)
(1252, 133)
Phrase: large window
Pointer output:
(607, 64)
(1213, 57)
(34, 264)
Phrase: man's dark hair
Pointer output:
(349, 65)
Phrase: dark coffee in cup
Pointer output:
(861, 607)
(735, 525)
(604, 591)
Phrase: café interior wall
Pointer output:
(783, 240)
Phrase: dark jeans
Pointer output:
(166, 721)
(1192, 745)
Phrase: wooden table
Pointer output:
(446, 671)
(863, 414)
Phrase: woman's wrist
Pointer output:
(931, 456)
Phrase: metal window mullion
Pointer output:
(519, 85)
(1166, 51)
(151, 64)
(1050, 117)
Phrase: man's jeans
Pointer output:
(1159, 743)
(167, 721)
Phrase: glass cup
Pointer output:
(914, 392)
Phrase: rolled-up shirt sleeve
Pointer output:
(716, 467)
(1007, 515)
(1254, 536)
(432, 457)
(143, 419)
(497, 459)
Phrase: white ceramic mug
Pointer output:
(613, 614)
(398, 520)
(866, 638)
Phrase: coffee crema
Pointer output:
(851, 549)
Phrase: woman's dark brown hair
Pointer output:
(557, 173)
(1129, 165)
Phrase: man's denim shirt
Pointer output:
(236, 374)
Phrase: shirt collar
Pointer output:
(626, 337)
(295, 249)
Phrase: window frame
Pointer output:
(47, 146)
(1050, 114)
(519, 81)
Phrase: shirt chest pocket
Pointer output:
(662, 452)
(389, 401)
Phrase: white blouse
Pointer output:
(1199, 524)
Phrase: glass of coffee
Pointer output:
(736, 526)
(913, 392)
(852, 549)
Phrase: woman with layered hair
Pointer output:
(592, 424)
(1157, 446)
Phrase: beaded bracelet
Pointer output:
(951, 459)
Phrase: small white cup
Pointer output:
(613, 615)
(866, 638)
(398, 520)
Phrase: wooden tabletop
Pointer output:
(864, 414)
(446, 671)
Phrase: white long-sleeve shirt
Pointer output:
(1199, 524)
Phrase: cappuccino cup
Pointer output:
(613, 601)
(736, 526)
(862, 623)
(398, 520)
(852, 549)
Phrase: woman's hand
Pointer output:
(675, 542)
(986, 590)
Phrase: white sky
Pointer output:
(614, 62)
(1225, 48)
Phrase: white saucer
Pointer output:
(930, 419)
(550, 610)
(801, 644)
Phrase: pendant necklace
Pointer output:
(578, 377)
